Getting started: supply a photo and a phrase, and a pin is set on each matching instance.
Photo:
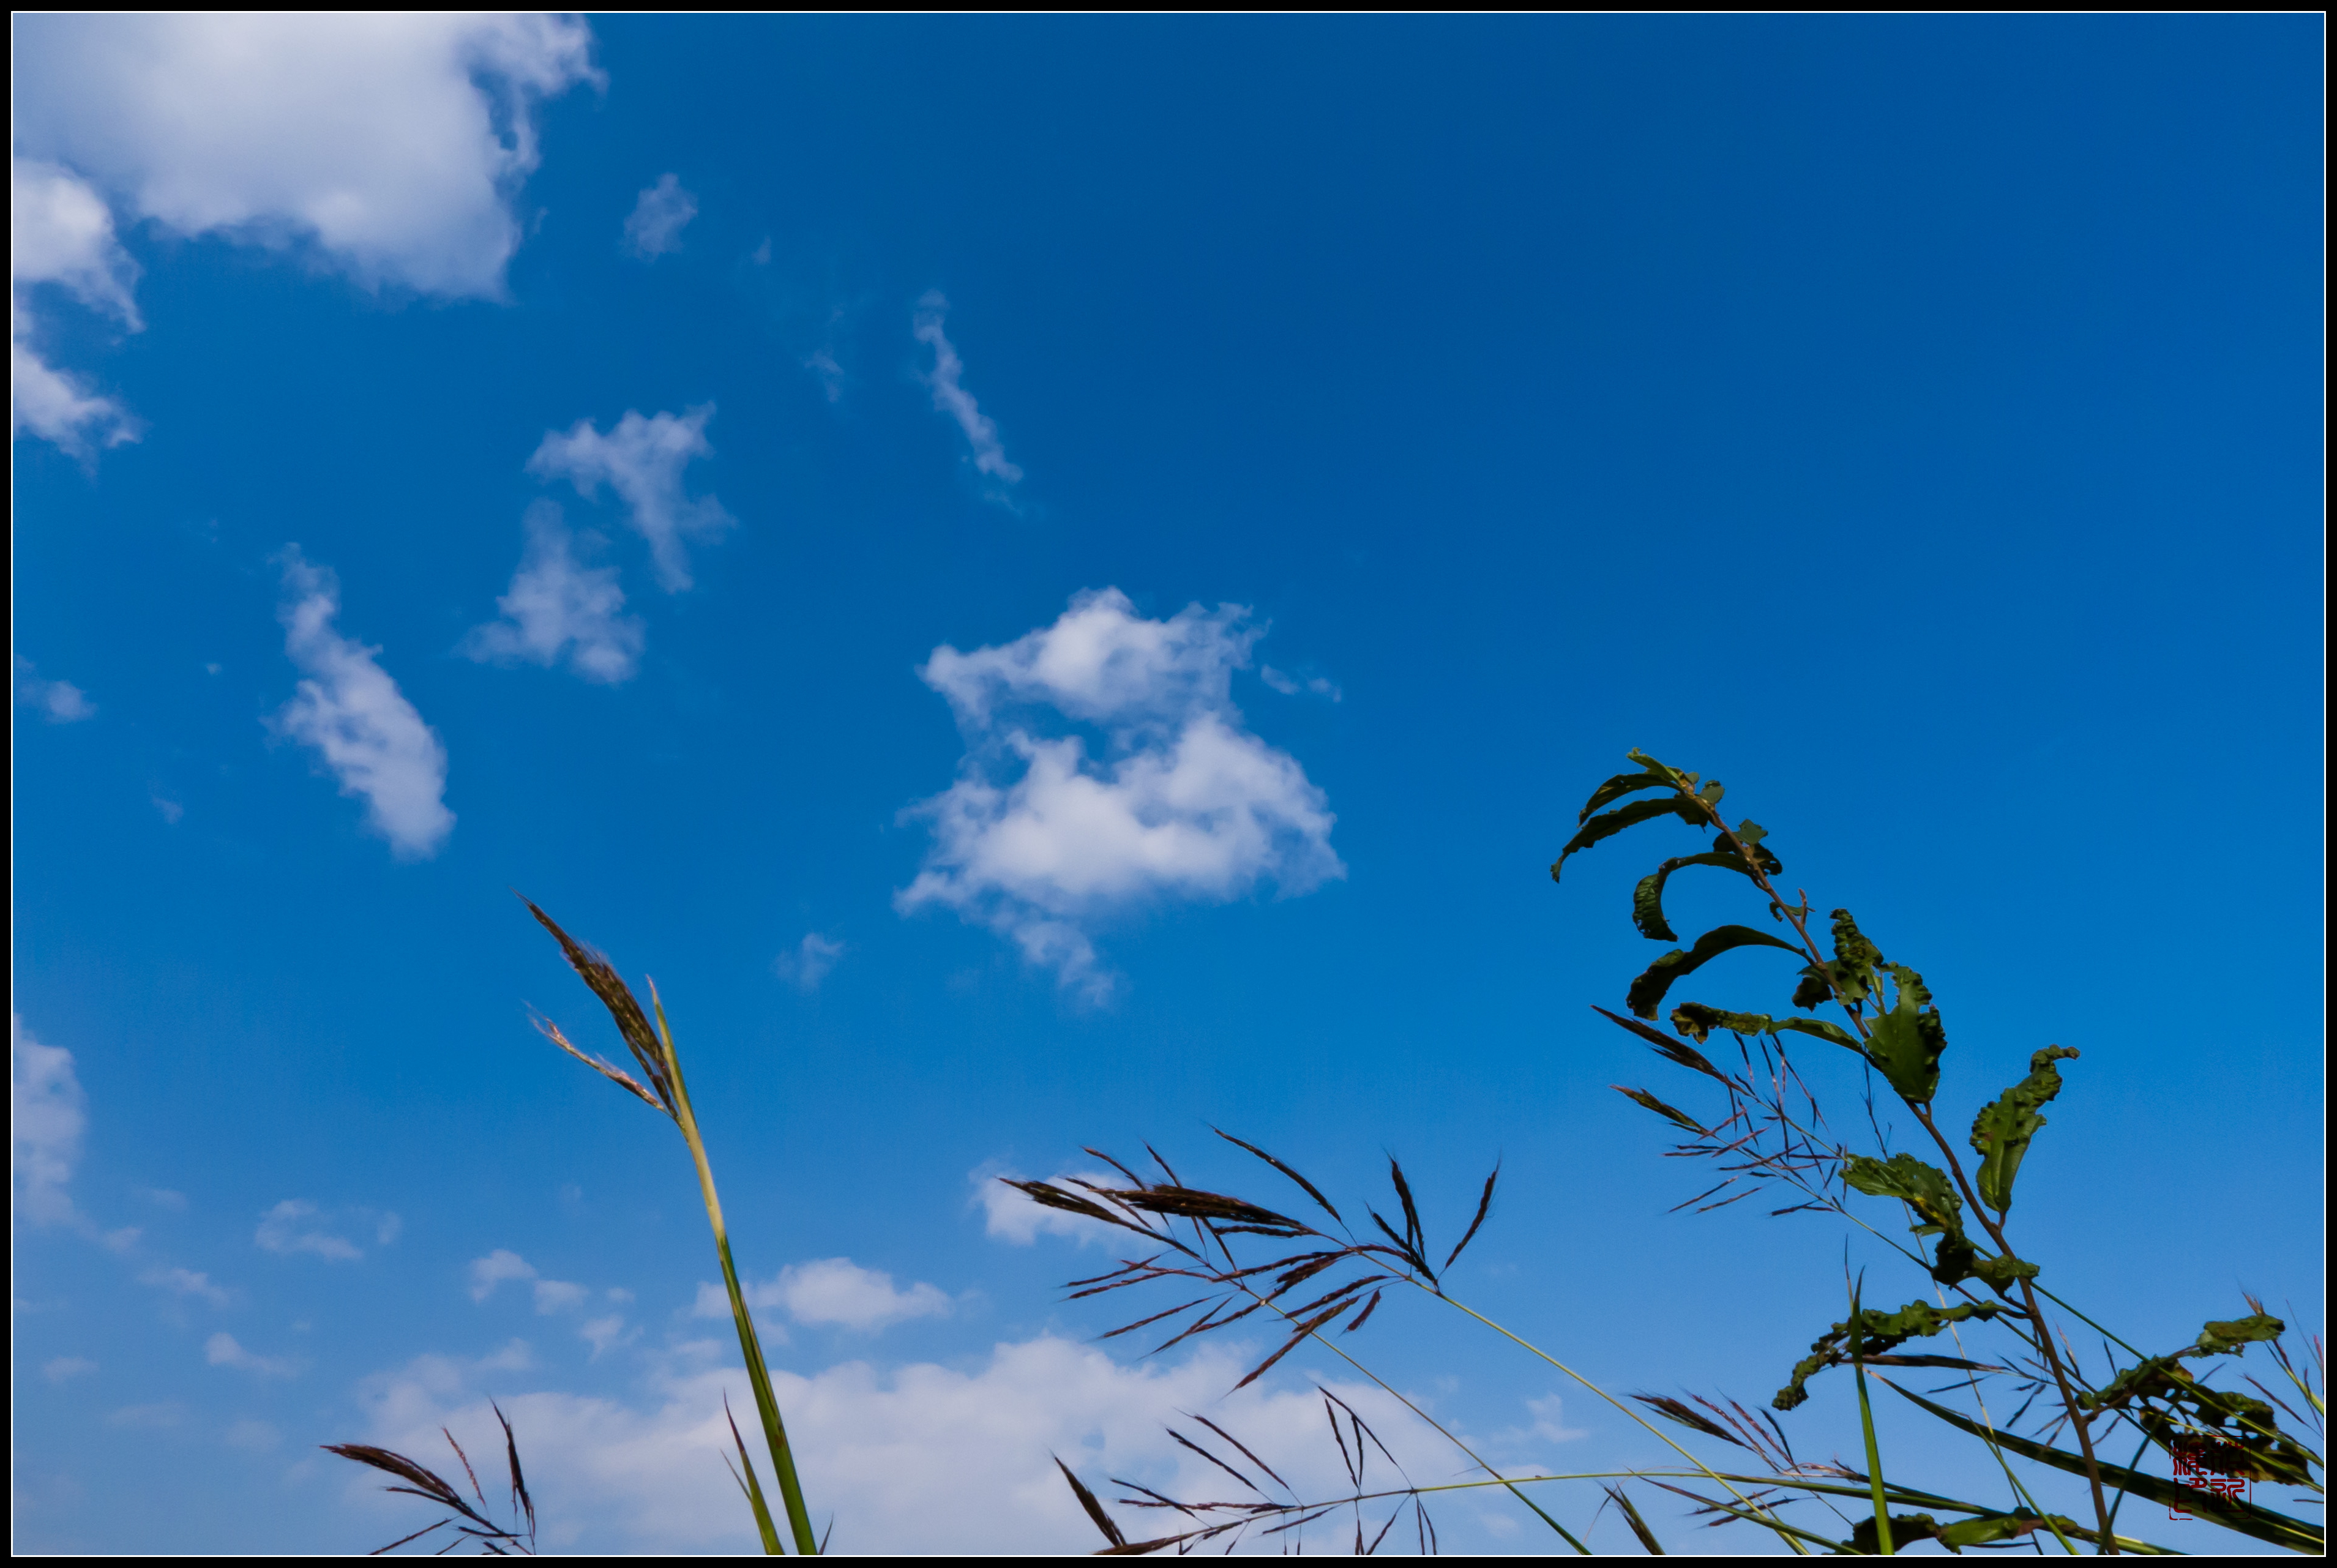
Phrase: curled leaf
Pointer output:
(2001, 1132)
(1647, 991)
(1907, 1040)
(1609, 824)
(1876, 1332)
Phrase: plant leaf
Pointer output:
(2226, 1337)
(1698, 1021)
(1818, 1028)
(1647, 898)
(2232, 1512)
(1607, 825)
(2001, 1131)
(1852, 973)
(1877, 1333)
(1908, 1040)
(1621, 785)
(1661, 1109)
(1647, 991)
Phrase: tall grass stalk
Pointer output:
(660, 1063)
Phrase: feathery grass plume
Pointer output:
(653, 1051)
(493, 1540)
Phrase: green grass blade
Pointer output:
(1874, 1451)
(753, 1486)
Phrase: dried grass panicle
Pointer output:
(624, 1008)
(1195, 1233)
(1228, 1521)
(493, 1539)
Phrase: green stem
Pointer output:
(1873, 1450)
(758, 1375)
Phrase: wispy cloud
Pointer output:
(64, 1369)
(658, 219)
(61, 236)
(642, 461)
(1044, 843)
(1293, 685)
(57, 701)
(186, 1283)
(222, 1350)
(834, 1292)
(361, 726)
(46, 1117)
(296, 1226)
(560, 608)
(808, 962)
(950, 396)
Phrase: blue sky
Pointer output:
(1059, 582)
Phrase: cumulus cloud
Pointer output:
(388, 144)
(1042, 840)
(497, 1267)
(57, 701)
(46, 1117)
(658, 219)
(185, 1283)
(1014, 1219)
(295, 1225)
(924, 1458)
(222, 1350)
(560, 608)
(810, 960)
(950, 396)
(363, 729)
(832, 1290)
(642, 461)
(61, 235)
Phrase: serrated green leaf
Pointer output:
(1698, 1021)
(2001, 1132)
(1879, 1333)
(1647, 898)
(1856, 960)
(1609, 824)
(1906, 1041)
(2225, 1338)
(2000, 1272)
(1661, 1109)
(1621, 785)
(1923, 1188)
(1647, 991)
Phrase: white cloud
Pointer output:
(387, 144)
(57, 701)
(810, 961)
(362, 728)
(289, 1227)
(1184, 802)
(821, 363)
(1291, 686)
(61, 234)
(1014, 1219)
(831, 1291)
(492, 1270)
(45, 1121)
(63, 1369)
(558, 607)
(222, 1350)
(951, 397)
(558, 1295)
(185, 1283)
(922, 1458)
(642, 460)
(658, 219)
(603, 1333)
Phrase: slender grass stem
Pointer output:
(750, 1346)
(1702, 1468)
(1873, 1449)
